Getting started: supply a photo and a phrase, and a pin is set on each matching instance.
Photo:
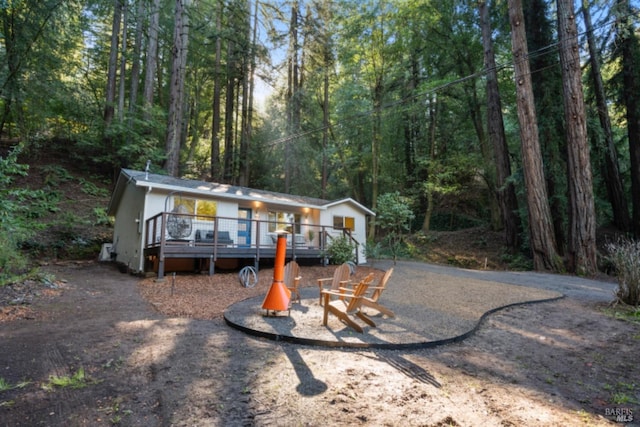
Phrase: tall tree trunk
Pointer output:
(151, 59)
(376, 142)
(324, 10)
(611, 172)
(252, 70)
(237, 129)
(412, 120)
(11, 87)
(216, 170)
(505, 191)
(293, 97)
(137, 53)
(228, 119)
(193, 112)
(325, 129)
(582, 214)
(432, 141)
(123, 63)
(110, 94)
(547, 84)
(176, 88)
(245, 125)
(377, 88)
(465, 68)
(628, 44)
(542, 240)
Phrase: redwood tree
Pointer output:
(505, 191)
(627, 45)
(582, 215)
(542, 240)
(176, 88)
(610, 169)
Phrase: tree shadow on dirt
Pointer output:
(407, 367)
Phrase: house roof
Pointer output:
(222, 191)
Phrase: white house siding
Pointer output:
(347, 209)
(129, 229)
(137, 199)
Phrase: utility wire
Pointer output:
(550, 49)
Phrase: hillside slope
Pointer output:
(76, 197)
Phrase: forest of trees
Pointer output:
(523, 115)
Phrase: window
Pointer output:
(283, 221)
(341, 222)
(203, 208)
(207, 208)
(188, 204)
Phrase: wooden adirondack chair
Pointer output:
(348, 304)
(340, 278)
(292, 279)
(372, 300)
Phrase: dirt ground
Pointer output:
(148, 354)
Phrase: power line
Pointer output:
(552, 48)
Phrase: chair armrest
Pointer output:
(326, 279)
(342, 293)
(328, 292)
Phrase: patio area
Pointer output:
(431, 309)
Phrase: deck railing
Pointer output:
(200, 237)
(168, 228)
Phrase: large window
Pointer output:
(341, 222)
(203, 208)
(283, 221)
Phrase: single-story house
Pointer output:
(164, 224)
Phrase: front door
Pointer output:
(244, 227)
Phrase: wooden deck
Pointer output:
(214, 239)
(206, 255)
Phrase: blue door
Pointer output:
(244, 227)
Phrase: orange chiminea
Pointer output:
(278, 297)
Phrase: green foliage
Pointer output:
(78, 380)
(394, 213)
(403, 110)
(12, 261)
(137, 140)
(394, 217)
(372, 250)
(6, 385)
(101, 217)
(55, 174)
(92, 189)
(626, 313)
(450, 221)
(340, 250)
(18, 206)
(129, 143)
(517, 261)
(624, 256)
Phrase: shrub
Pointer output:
(12, 262)
(394, 217)
(15, 215)
(340, 250)
(372, 250)
(624, 256)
